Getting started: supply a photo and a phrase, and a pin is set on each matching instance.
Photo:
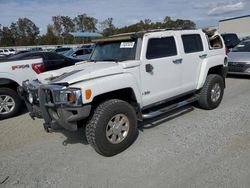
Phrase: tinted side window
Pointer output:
(79, 52)
(192, 43)
(161, 47)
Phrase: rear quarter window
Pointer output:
(215, 42)
(192, 43)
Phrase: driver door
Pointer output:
(161, 70)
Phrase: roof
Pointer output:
(234, 18)
(141, 33)
(133, 35)
(86, 34)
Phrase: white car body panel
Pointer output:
(122, 80)
(164, 80)
(18, 71)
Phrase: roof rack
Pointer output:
(138, 34)
(152, 30)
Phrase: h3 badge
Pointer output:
(146, 93)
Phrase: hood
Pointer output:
(87, 71)
(239, 57)
(49, 75)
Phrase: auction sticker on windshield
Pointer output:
(127, 44)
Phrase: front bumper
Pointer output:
(64, 115)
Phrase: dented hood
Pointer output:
(86, 71)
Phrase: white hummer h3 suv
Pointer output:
(129, 78)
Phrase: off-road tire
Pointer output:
(18, 102)
(96, 127)
(205, 93)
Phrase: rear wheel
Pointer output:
(10, 103)
(112, 128)
(211, 94)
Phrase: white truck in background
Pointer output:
(12, 74)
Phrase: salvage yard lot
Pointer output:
(196, 149)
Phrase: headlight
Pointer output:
(69, 96)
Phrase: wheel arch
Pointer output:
(220, 70)
(125, 94)
(216, 70)
(8, 83)
(212, 69)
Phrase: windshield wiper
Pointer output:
(115, 60)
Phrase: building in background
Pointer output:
(238, 25)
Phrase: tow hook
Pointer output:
(47, 127)
(32, 115)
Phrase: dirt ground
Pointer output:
(191, 148)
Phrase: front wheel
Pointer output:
(112, 128)
(211, 94)
(10, 103)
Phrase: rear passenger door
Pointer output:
(161, 68)
(193, 55)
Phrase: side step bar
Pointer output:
(169, 108)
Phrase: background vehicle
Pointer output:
(35, 49)
(2, 56)
(62, 50)
(79, 53)
(89, 45)
(128, 78)
(239, 59)
(7, 52)
(230, 39)
(12, 73)
(22, 51)
(12, 51)
(17, 68)
(51, 60)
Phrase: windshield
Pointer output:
(242, 47)
(114, 51)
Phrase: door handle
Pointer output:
(203, 56)
(177, 61)
(149, 68)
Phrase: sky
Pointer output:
(124, 12)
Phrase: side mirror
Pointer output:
(74, 55)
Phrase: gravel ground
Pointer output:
(192, 148)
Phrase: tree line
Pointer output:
(24, 32)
